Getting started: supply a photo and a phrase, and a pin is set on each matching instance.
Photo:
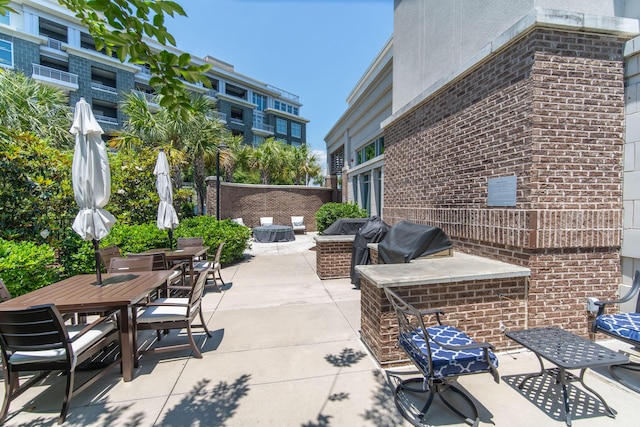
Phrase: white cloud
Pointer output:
(321, 155)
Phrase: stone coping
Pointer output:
(457, 268)
(335, 238)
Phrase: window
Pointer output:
(237, 115)
(6, 54)
(281, 126)
(296, 130)
(6, 19)
(235, 91)
(52, 30)
(260, 101)
(370, 151)
(257, 140)
(366, 193)
(282, 106)
(355, 189)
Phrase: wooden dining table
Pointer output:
(80, 294)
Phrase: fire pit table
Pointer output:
(273, 233)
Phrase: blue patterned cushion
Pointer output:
(625, 325)
(445, 362)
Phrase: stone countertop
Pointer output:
(335, 238)
(457, 268)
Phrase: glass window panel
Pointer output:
(281, 126)
(6, 53)
(5, 19)
(296, 130)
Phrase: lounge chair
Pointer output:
(297, 222)
(266, 220)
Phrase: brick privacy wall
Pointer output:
(549, 109)
(472, 306)
(333, 259)
(250, 202)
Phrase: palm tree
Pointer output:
(267, 159)
(304, 165)
(236, 155)
(196, 132)
(28, 106)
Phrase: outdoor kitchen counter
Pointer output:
(459, 267)
(479, 295)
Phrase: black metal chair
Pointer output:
(37, 339)
(441, 353)
(622, 326)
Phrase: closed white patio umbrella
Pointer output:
(91, 179)
(167, 217)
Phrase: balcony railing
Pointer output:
(222, 117)
(148, 96)
(106, 119)
(54, 44)
(237, 121)
(263, 127)
(100, 86)
(284, 93)
(53, 74)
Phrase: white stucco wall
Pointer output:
(433, 38)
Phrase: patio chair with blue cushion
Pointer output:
(441, 353)
(622, 326)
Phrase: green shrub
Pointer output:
(213, 232)
(26, 266)
(136, 238)
(76, 255)
(331, 212)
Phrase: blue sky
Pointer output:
(317, 49)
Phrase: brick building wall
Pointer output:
(549, 109)
(281, 202)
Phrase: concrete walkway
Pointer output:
(286, 352)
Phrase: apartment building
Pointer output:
(46, 42)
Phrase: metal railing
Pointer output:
(148, 96)
(284, 93)
(106, 119)
(237, 121)
(53, 74)
(54, 44)
(262, 126)
(100, 86)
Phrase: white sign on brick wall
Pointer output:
(502, 191)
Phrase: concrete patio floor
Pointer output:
(286, 351)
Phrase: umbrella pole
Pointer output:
(96, 247)
(171, 239)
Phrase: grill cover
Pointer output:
(406, 241)
(345, 226)
(373, 231)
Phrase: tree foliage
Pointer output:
(272, 162)
(196, 133)
(123, 26)
(28, 106)
(35, 187)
